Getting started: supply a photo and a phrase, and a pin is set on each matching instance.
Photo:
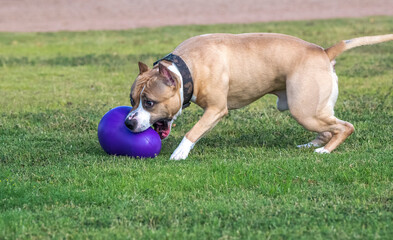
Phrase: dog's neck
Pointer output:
(184, 72)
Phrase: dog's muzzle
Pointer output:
(131, 122)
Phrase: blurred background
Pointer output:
(80, 15)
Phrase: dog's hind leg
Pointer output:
(282, 105)
(340, 131)
(311, 99)
(322, 123)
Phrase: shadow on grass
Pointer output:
(286, 138)
(107, 60)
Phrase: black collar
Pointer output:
(188, 85)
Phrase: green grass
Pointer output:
(245, 180)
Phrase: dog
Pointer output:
(220, 72)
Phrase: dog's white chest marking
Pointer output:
(174, 69)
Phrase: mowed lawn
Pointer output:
(244, 180)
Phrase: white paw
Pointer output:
(321, 150)
(308, 145)
(182, 150)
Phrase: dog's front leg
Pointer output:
(209, 119)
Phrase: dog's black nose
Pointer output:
(131, 124)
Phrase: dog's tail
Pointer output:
(344, 45)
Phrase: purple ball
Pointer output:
(116, 139)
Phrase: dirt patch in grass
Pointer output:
(76, 15)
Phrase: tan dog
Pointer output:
(232, 71)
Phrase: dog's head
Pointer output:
(155, 98)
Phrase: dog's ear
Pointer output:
(142, 67)
(164, 71)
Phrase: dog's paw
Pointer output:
(308, 145)
(182, 150)
(180, 154)
(321, 150)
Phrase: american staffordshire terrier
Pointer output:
(220, 72)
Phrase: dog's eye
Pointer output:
(148, 104)
(132, 101)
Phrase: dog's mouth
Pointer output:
(163, 127)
